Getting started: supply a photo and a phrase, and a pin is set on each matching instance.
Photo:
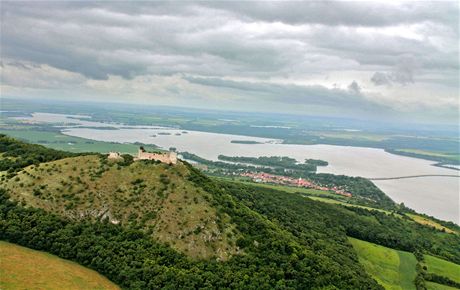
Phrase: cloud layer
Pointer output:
(333, 57)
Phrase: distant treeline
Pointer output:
(245, 142)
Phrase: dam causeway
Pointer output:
(414, 176)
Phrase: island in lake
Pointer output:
(245, 142)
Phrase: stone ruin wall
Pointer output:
(170, 157)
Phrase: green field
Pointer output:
(293, 189)
(60, 141)
(352, 135)
(431, 155)
(436, 286)
(23, 268)
(426, 152)
(334, 201)
(443, 268)
(391, 268)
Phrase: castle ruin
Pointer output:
(114, 155)
(166, 157)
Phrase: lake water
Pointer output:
(436, 196)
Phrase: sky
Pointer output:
(379, 60)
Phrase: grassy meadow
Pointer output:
(436, 286)
(23, 268)
(390, 268)
(442, 268)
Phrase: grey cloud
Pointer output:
(402, 74)
(380, 78)
(295, 94)
(405, 44)
(354, 87)
(355, 13)
(209, 38)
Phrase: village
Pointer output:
(261, 177)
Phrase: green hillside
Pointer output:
(395, 269)
(436, 286)
(23, 268)
(149, 196)
(444, 268)
(148, 225)
(391, 268)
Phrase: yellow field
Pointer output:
(425, 221)
(23, 268)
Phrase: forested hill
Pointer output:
(16, 155)
(152, 213)
(147, 225)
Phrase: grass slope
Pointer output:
(292, 189)
(436, 286)
(443, 268)
(155, 198)
(391, 268)
(23, 268)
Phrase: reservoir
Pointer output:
(434, 195)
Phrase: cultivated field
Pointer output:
(23, 268)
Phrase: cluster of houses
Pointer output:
(290, 181)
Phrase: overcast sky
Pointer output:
(380, 60)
